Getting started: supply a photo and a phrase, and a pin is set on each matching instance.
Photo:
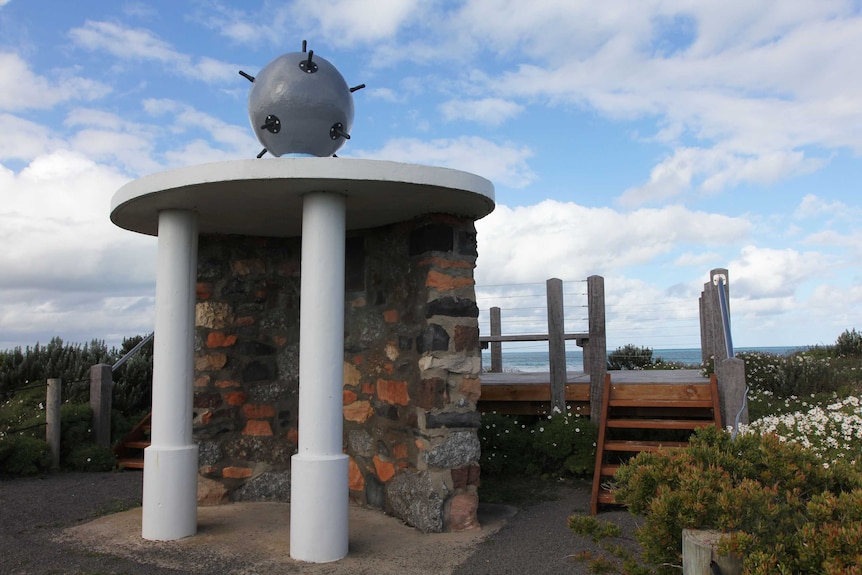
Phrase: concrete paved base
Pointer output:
(243, 538)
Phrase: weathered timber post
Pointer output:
(496, 346)
(598, 346)
(52, 419)
(730, 375)
(699, 551)
(101, 383)
(711, 327)
(556, 344)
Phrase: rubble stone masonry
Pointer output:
(411, 368)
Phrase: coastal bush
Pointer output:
(849, 344)
(22, 455)
(630, 357)
(770, 496)
(559, 445)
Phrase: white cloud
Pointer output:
(348, 22)
(568, 240)
(22, 89)
(67, 263)
(489, 111)
(504, 164)
(760, 273)
(140, 44)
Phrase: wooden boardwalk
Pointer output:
(530, 392)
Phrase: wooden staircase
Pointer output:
(130, 451)
(647, 417)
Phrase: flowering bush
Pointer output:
(549, 444)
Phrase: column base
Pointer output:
(170, 499)
(318, 508)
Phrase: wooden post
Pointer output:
(698, 552)
(598, 346)
(496, 346)
(100, 402)
(712, 327)
(556, 345)
(730, 374)
(52, 419)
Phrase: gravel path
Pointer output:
(35, 511)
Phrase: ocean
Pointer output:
(527, 361)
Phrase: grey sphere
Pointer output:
(295, 108)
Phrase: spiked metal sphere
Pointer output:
(300, 104)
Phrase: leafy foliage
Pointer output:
(762, 491)
(849, 344)
(560, 445)
(630, 357)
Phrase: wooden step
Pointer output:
(131, 463)
(660, 423)
(615, 445)
(609, 470)
(606, 497)
(674, 403)
(137, 444)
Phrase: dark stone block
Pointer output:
(386, 410)
(354, 268)
(256, 371)
(430, 393)
(453, 419)
(467, 244)
(205, 400)
(210, 268)
(375, 492)
(234, 286)
(382, 449)
(254, 348)
(435, 338)
(405, 343)
(433, 237)
(452, 307)
(466, 338)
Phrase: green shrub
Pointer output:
(76, 422)
(849, 344)
(630, 357)
(762, 491)
(91, 457)
(537, 445)
(21, 455)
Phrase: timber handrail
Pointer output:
(485, 339)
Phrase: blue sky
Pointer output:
(645, 142)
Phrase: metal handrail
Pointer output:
(132, 352)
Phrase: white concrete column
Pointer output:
(319, 491)
(171, 462)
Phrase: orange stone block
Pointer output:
(202, 381)
(351, 374)
(293, 435)
(203, 290)
(444, 282)
(244, 320)
(223, 383)
(462, 512)
(279, 340)
(235, 398)
(399, 451)
(257, 427)
(390, 315)
(252, 411)
(385, 470)
(246, 267)
(368, 388)
(358, 411)
(470, 388)
(236, 472)
(348, 397)
(393, 391)
(355, 479)
(210, 361)
(220, 339)
(444, 263)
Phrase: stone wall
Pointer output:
(411, 368)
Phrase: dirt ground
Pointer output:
(89, 523)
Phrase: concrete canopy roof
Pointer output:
(264, 197)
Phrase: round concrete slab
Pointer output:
(264, 197)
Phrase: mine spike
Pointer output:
(261, 154)
(355, 88)
(248, 77)
(337, 131)
(304, 46)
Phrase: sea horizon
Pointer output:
(537, 361)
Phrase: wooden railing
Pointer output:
(593, 342)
